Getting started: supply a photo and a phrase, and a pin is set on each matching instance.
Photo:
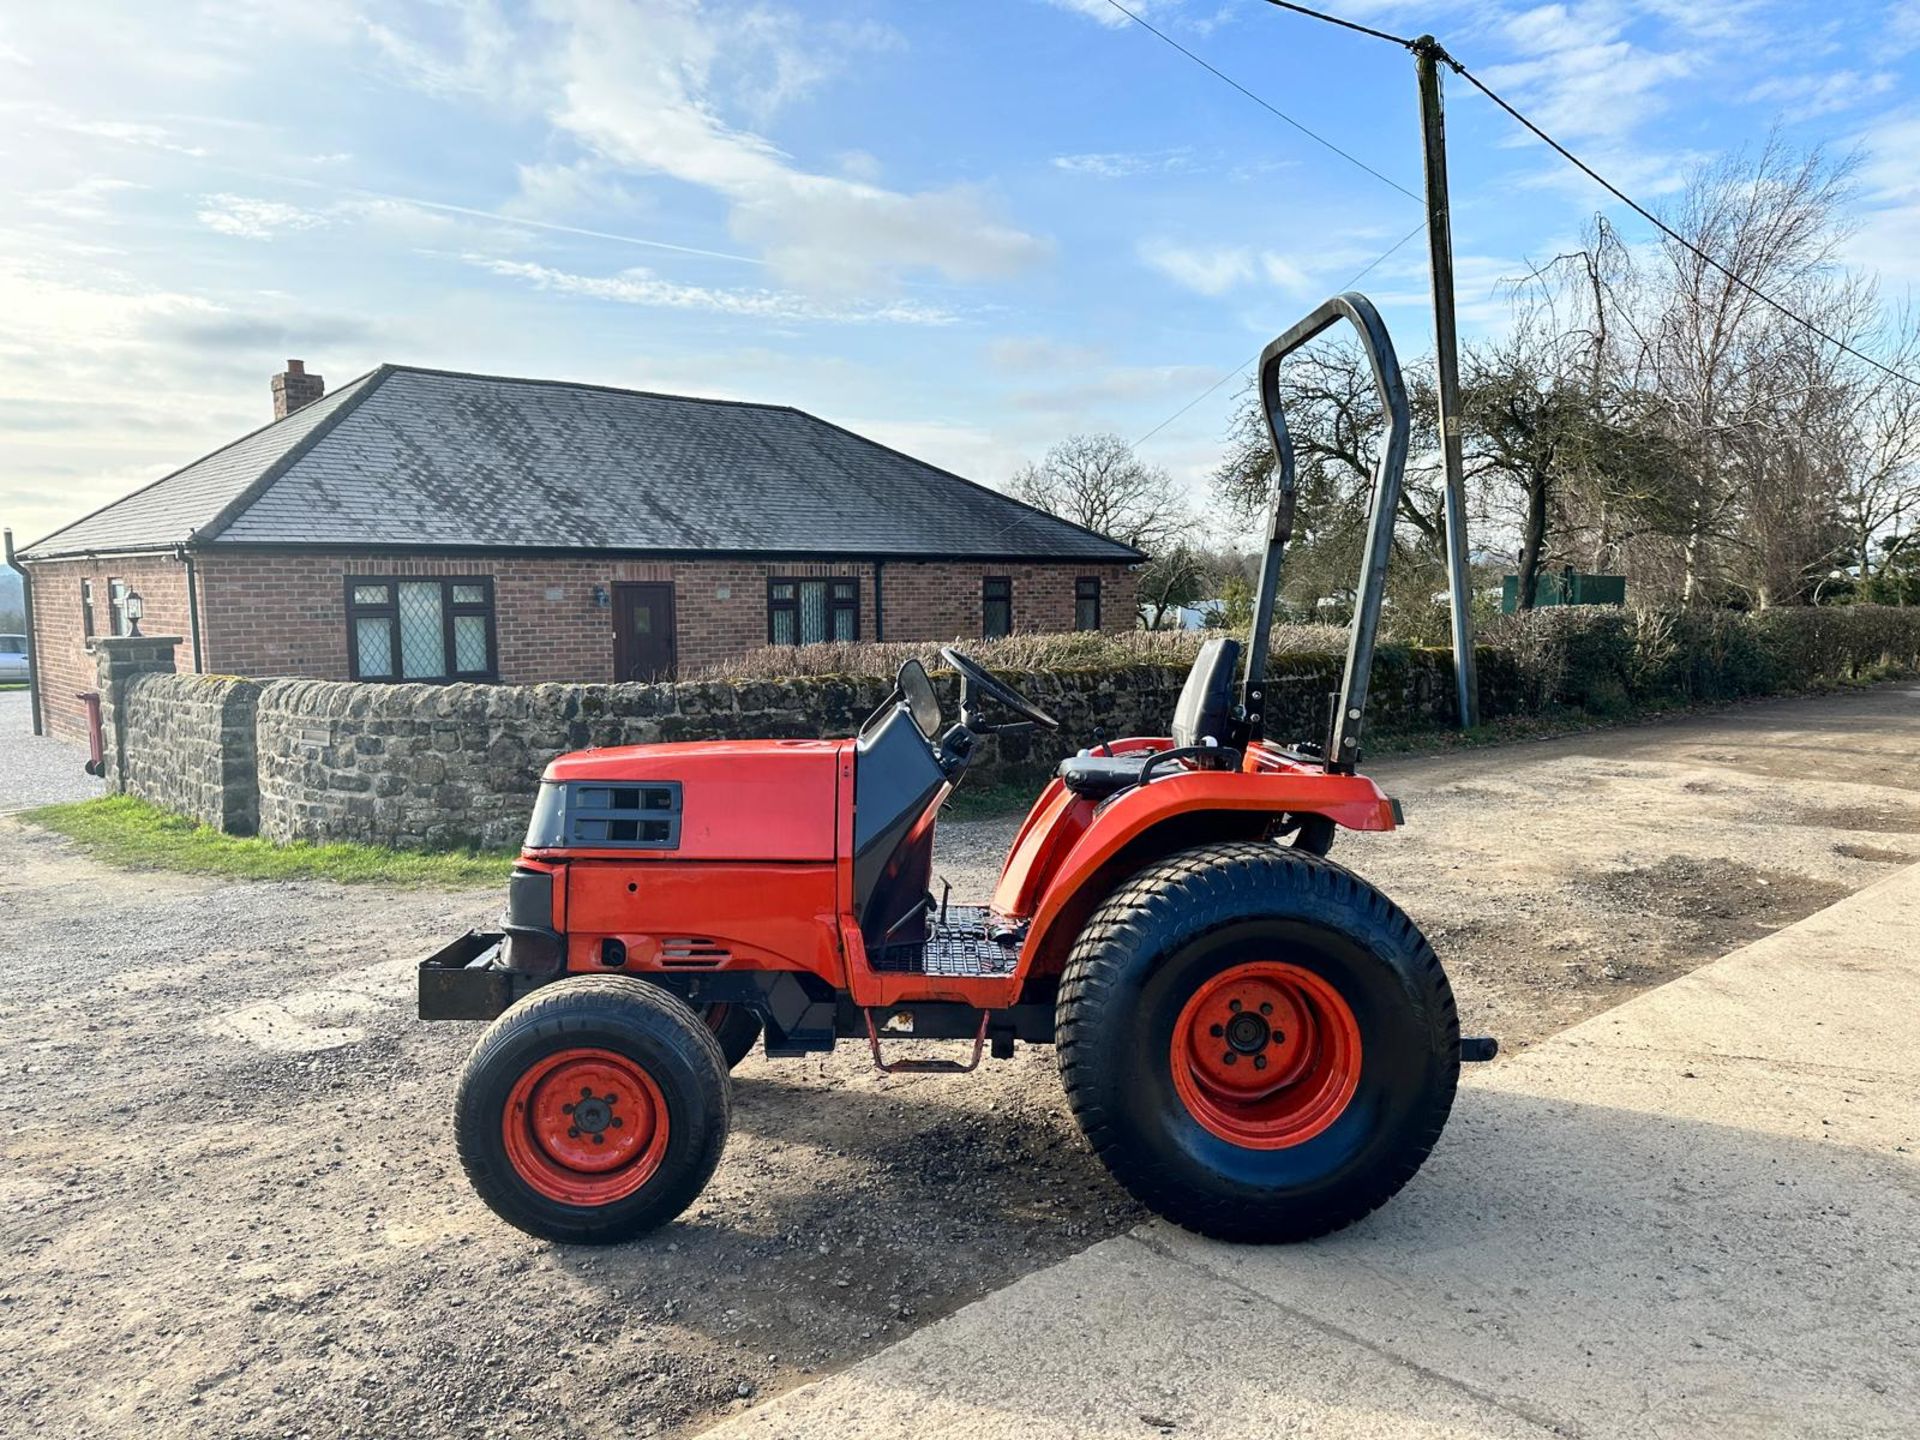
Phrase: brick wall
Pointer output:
(274, 614)
(943, 601)
(269, 614)
(65, 665)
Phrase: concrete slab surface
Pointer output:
(1695, 1215)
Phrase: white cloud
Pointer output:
(1888, 237)
(246, 218)
(1032, 353)
(1216, 270)
(1206, 271)
(644, 90)
(640, 286)
(1581, 77)
(1802, 97)
(83, 200)
(1121, 164)
(1903, 27)
(1100, 10)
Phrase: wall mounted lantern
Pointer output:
(601, 599)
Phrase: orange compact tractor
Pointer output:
(1257, 1042)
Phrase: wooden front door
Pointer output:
(643, 632)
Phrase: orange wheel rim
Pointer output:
(585, 1127)
(1266, 1055)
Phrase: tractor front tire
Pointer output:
(593, 1110)
(1258, 1044)
(736, 1028)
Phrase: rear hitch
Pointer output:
(1476, 1048)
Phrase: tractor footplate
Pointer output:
(960, 947)
(925, 1067)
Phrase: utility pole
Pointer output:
(1427, 56)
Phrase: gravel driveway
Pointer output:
(35, 770)
(229, 1203)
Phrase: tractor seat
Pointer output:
(1204, 711)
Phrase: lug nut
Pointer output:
(1234, 1005)
(599, 1139)
(573, 1132)
(1231, 1058)
(1259, 1062)
(1266, 1008)
(1216, 1031)
(618, 1123)
(567, 1109)
(586, 1092)
(611, 1099)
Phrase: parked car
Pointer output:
(13, 659)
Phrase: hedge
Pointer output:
(1600, 660)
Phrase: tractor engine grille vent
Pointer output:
(693, 952)
(642, 817)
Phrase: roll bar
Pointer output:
(1343, 738)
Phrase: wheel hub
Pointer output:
(590, 1113)
(586, 1127)
(1266, 1055)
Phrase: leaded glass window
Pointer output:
(421, 628)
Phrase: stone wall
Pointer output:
(190, 747)
(435, 766)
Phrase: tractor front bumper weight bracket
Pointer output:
(1477, 1048)
(468, 980)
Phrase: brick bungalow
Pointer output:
(426, 525)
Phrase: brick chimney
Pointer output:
(294, 388)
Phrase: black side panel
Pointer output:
(896, 784)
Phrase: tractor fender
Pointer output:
(1148, 823)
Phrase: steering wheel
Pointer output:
(975, 677)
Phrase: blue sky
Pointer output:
(965, 229)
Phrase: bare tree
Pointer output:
(1714, 347)
(1097, 481)
(1336, 425)
(1173, 579)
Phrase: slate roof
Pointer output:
(412, 458)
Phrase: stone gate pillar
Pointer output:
(119, 658)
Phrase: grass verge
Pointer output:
(130, 832)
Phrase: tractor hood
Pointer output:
(763, 800)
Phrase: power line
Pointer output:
(1266, 105)
(1343, 24)
(1652, 219)
(1365, 271)
(1605, 184)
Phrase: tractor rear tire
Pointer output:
(593, 1110)
(1258, 1044)
(736, 1028)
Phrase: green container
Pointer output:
(1565, 587)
